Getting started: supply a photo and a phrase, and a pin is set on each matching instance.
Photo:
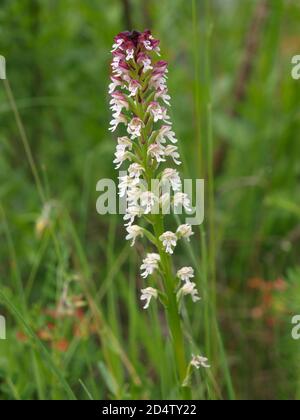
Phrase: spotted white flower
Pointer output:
(118, 102)
(120, 68)
(117, 44)
(172, 151)
(147, 295)
(133, 87)
(147, 45)
(135, 170)
(199, 361)
(163, 94)
(165, 203)
(158, 112)
(150, 264)
(166, 133)
(129, 54)
(189, 288)
(182, 199)
(115, 82)
(120, 156)
(145, 61)
(148, 200)
(159, 75)
(134, 193)
(115, 64)
(132, 212)
(169, 240)
(172, 176)
(125, 182)
(124, 143)
(157, 151)
(134, 232)
(134, 127)
(184, 231)
(185, 273)
(118, 119)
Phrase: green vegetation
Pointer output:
(235, 109)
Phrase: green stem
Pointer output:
(173, 316)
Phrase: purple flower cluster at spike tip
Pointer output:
(139, 101)
(136, 74)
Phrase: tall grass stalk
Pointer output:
(197, 90)
(214, 347)
(210, 171)
(202, 97)
(24, 139)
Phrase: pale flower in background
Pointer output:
(44, 220)
(184, 231)
(172, 176)
(147, 295)
(189, 289)
(199, 361)
(185, 273)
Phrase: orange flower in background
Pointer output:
(255, 283)
(21, 337)
(268, 291)
(61, 345)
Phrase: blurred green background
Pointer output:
(57, 55)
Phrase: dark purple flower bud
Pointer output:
(161, 66)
